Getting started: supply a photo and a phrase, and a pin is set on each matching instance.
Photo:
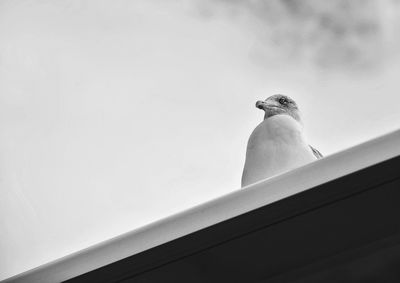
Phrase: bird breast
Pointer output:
(276, 145)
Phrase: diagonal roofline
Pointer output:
(223, 208)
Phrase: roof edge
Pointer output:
(212, 212)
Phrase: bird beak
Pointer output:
(260, 104)
(264, 105)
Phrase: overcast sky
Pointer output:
(114, 114)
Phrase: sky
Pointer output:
(114, 114)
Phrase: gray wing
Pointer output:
(317, 154)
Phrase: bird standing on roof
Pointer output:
(278, 143)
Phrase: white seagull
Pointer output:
(277, 144)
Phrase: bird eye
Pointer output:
(283, 101)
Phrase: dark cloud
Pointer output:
(337, 33)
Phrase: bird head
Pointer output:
(279, 104)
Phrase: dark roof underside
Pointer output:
(346, 230)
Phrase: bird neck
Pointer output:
(283, 128)
(295, 116)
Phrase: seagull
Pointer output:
(277, 144)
